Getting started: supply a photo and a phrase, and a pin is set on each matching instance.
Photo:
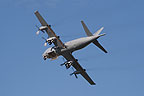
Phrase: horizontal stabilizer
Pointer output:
(97, 34)
(99, 46)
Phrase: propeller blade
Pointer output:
(42, 31)
(71, 74)
(62, 64)
(75, 75)
(44, 38)
(37, 26)
(72, 68)
(63, 59)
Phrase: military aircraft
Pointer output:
(66, 49)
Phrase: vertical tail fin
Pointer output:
(95, 34)
(99, 31)
(89, 33)
(86, 29)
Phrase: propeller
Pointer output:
(76, 76)
(38, 30)
(74, 73)
(45, 44)
(37, 33)
(63, 61)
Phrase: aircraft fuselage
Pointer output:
(78, 43)
(71, 46)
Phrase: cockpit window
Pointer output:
(52, 54)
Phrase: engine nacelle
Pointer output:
(51, 40)
(67, 64)
(43, 28)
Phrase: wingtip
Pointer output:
(36, 11)
(102, 28)
(81, 20)
(93, 84)
(106, 52)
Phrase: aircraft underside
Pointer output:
(66, 49)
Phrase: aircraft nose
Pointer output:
(44, 57)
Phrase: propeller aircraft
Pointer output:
(66, 49)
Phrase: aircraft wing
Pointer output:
(77, 66)
(49, 30)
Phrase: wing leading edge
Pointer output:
(78, 67)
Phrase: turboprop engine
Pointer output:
(67, 64)
(76, 72)
(42, 28)
(49, 40)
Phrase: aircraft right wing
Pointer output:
(68, 56)
(49, 30)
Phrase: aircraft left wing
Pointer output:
(68, 56)
(49, 30)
